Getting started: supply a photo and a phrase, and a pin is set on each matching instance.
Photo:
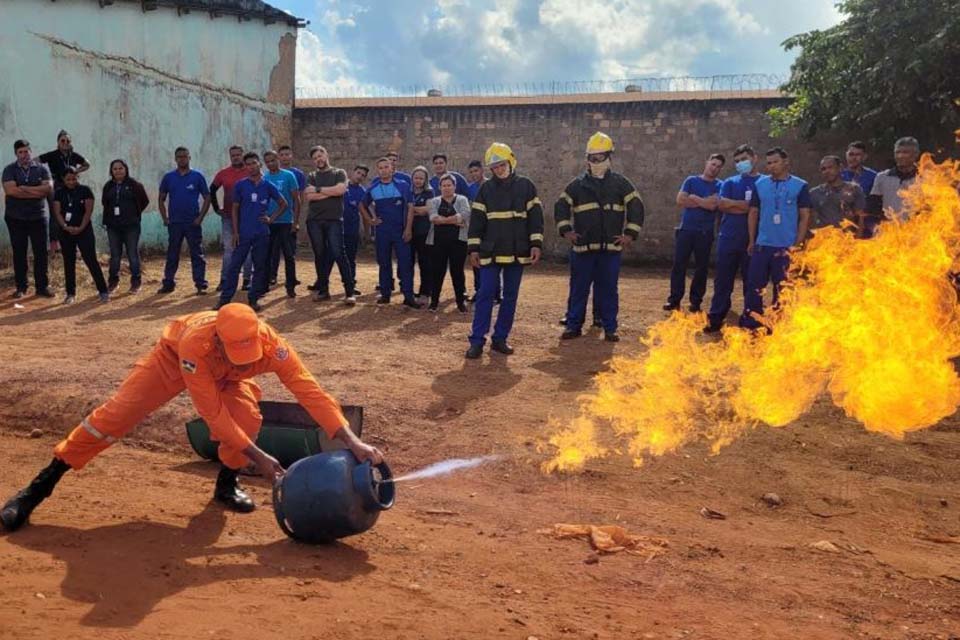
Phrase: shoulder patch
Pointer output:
(188, 366)
(281, 354)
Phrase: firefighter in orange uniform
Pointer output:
(214, 355)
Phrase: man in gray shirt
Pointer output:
(27, 185)
(324, 197)
(888, 185)
(836, 200)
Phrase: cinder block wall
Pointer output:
(658, 144)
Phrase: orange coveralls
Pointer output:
(187, 356)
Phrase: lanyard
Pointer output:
(25, 172)
(780, 191)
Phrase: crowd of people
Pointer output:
(428, 225)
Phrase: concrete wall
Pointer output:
(659, 142)
(135, 85)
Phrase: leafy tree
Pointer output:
(891, 68)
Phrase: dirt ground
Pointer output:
(131, 547)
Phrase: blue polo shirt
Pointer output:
(286, 183)
(472, 189)
(300, 175)
(254, 201)
(734, 235)
(421, 224)
(865, 179)
(351, 209)
(698, 218)
(391, 200)
(463, 188)
(779, 202)
(402, 176)
(185, 192)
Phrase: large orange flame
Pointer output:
(873, 323)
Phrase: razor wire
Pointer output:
(727, 84)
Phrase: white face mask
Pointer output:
(599, 169)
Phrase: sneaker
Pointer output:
(597, 323)
(412, 303)
(472, 298)
(219, 287)
(312, 287)
(113, 285)
(69, 299)
(19, 293)
(474, 352)
(322, 297)
(135, 288)
(432, 308)
(563, 321)
(105, 296)
(713, 328)
(165, 289)
(349, 300)
(611, 337)
(670, 307)
(291, 293)
(45, 293)
(462, 306)
(383, 300)
(694, 308)
(570, 334)
(255, 306)
(273, 283)
(202, 291)
(246, 284)
(356, 292)
(501, 346)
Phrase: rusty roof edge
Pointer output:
(241, 8)
(505, 101)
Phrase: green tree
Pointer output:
(891, 68)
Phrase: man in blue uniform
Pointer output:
(440, 169)
(189, 201)
(251, 202)
(732, 256)
(387, 207)
(284, 228)
(351, 218)
(698, 198)
(779, 219)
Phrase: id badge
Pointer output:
(116, 211)
(253, 197)
(69, 216)
(776, 218)
(749, 195)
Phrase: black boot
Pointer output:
(17, 510)
(228, 492)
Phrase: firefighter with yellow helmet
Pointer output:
(600, 213)
(505, 235)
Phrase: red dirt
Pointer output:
(132, 548)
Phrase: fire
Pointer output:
(874, 324)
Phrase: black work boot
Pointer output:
(228, 492)
(17, 510)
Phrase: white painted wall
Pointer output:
(135, 85)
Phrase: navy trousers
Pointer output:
(602, 270)
(177, 232)
(351, 244)
(389, 244)
(730, 261)
(483, 305)
(259, 247)
(767, 264)
(685, 244)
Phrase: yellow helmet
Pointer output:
(499, 152)
(599, 143)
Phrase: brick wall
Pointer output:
(659, 142)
